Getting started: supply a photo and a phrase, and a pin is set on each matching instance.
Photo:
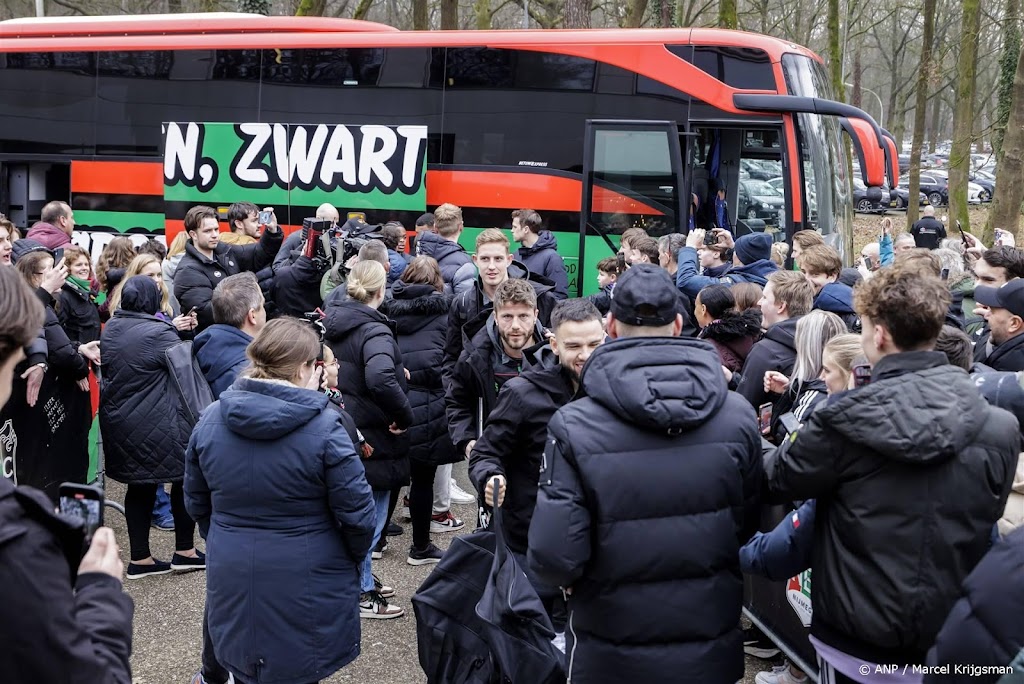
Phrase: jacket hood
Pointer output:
(783, 332)
(171, 264)
(756, 271)
(550, 378)
(433, 245)
(717, 271)
(259, 409)
(662, 384)
(141, 295)
(48, 235)
(413, 307)
(546, 240)
(835, 297)
(734, 326)
(348, 316)
(219, 347)
(931, 424)
(965, 286)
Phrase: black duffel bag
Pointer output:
(479, 620)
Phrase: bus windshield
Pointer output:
(826, 185)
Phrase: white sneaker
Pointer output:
(445, 522)
(405, 508)
(780, 674)
(373, 606)
(459, 496)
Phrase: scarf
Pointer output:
(83, 287)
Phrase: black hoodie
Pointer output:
(649, 486)
(513, 443)
(911, 472)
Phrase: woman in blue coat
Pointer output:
(272, 476)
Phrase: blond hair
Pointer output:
(281, 348)
(178, 244)
(844, 350)
(493, 236)
(448, 220)
(135, 268)
(365, 281)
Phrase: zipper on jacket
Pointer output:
(572, 652)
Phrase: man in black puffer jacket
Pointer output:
(911, 473)
(539, 250)
(513, 440)
(443, 245)
(648, 487)
(207, 261)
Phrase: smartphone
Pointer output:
(58, 254)
(710, 239)
(83, 503)
(764, 418)
(266, 218)
(192, 310)
(861, 375)
(869, 263)
(963, 235)
(944, 274)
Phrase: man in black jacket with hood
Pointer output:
(494, 266)
(512, 444)
(66, 617)
(908, 488)
(207, 261)
(648, 486)
(494, 355)
(787, 296)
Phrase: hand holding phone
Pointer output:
(82, 503)
(266, 217)
(861, 375)
(103, 555)
(764, 418)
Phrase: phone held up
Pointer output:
(764, 418)
(266, 218)
(82, 503)
(861, 375)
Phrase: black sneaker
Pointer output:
(138, 570)
(179, 562)
(379, 549)
(425, 556)
(756, 644)
(394, 530)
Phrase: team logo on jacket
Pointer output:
(798, 593)
(216, 274)
(9, 451)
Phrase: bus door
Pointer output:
(633, 177)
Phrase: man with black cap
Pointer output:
(1005, 318)
(648, 486)
(751, 261)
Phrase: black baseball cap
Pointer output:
(1010, 297)
(645, 295)
(425, 220)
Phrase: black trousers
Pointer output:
(138, 513)
(421, 500)
(213, 671)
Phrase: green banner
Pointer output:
(303, 165)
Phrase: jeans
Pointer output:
(162, 507)
(443, 489)
(380, 504)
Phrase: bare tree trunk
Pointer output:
(835, 52)
(963, 114)
(1009, 194)
(1007, 71)
(419, 15)
(727, 14)
(635, 13)
(449, 15)
(482, 14)
(309, 8)
(920, 111)
(577, 14)
(362, 9)
(856, 96)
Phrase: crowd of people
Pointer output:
(282, 403)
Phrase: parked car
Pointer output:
(868, 200)
(936, 187)
(987, 183)
(758, 199)
(755, 170)
(900, 198)
(974, 191)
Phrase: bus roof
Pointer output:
(213, 30)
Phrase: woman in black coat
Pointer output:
(419, 308)
(372, 380)
(144, 425)
(66, 380)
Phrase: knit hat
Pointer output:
(24, 246)
(753, 247)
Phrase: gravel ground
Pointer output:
(169, 613)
